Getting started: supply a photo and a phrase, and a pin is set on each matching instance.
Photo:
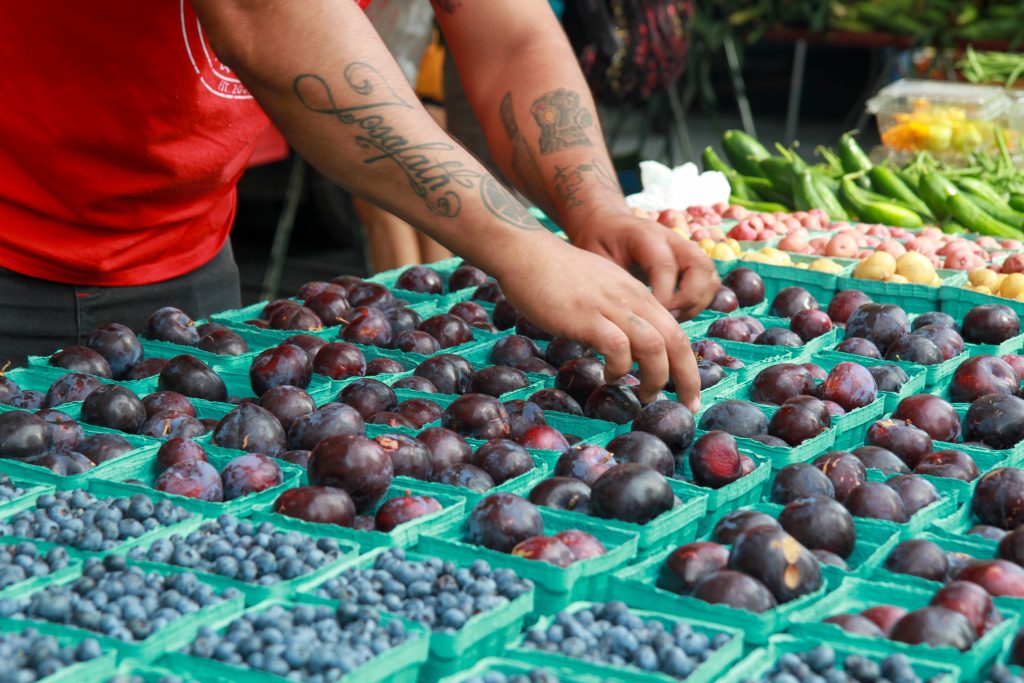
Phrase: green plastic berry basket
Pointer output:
(555, 587)
(512, 667)
(153, 348)
(986, 458)
(484, 634)
(821, 285)
(1011, 345)
(7, 515)
(30, 490)
(934, 374)
(912, 298)
(709, 670)
(521, 485)
(756, 357)
(400, 664)
(678, 525)
(777, 455)
(171, 637)
(856, 595)
(970, 545)
(39, 375)
(114, 481)
(403, 536)
(638, 586)
(261, 337)
(744, 491)
(98, 669)
(787, 354)
(847, 428)
(875, 540)
(958, 300)
(254, 593)
(444, 268)
(916, 374)
(34, 583)
(130, 670)
(43, 475)
(758, 664)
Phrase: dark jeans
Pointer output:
(38, 317)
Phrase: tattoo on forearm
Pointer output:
(563, 122)
(524, 162)
(569, 180)
(441, 183)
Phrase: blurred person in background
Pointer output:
(124, 132)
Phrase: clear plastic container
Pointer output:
(948, 119)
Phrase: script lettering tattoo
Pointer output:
(438, 182)
(569, 180)
(563, 122)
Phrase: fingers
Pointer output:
(611, 341)
(653, 252)
(683, 367)
(698, 283)
(648, 346)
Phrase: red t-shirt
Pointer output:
(122, 138)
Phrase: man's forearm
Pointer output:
(536, 110)
(323, 76)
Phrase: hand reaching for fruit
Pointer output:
(681, 275)
(572, 293)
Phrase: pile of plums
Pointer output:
(1000, 576)
(713, 361)
(588, 479)
(332, 505)
(823, 664)
(302, 642)
(766, 565)
(185, 470)
(113, 351)
(817, 521)
(523, 353)
(958, 614)
(806, 320)
(611, 634)
(842, 477)
(117, 600)
(509, 524)
(435, 593)
(428, 281)
(52, 439)
(78, 519)
(259, 554)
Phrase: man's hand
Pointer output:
(681, 275)
(576, 294)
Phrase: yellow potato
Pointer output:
(878, 266)
(897, 279)
(936, 281)
(916, 268)
(803, 266)
(824, 265)
(985, 277)
(722, 252)
(734, 245)
(1013, 286)
(981, 289)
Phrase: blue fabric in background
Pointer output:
(559, 7)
